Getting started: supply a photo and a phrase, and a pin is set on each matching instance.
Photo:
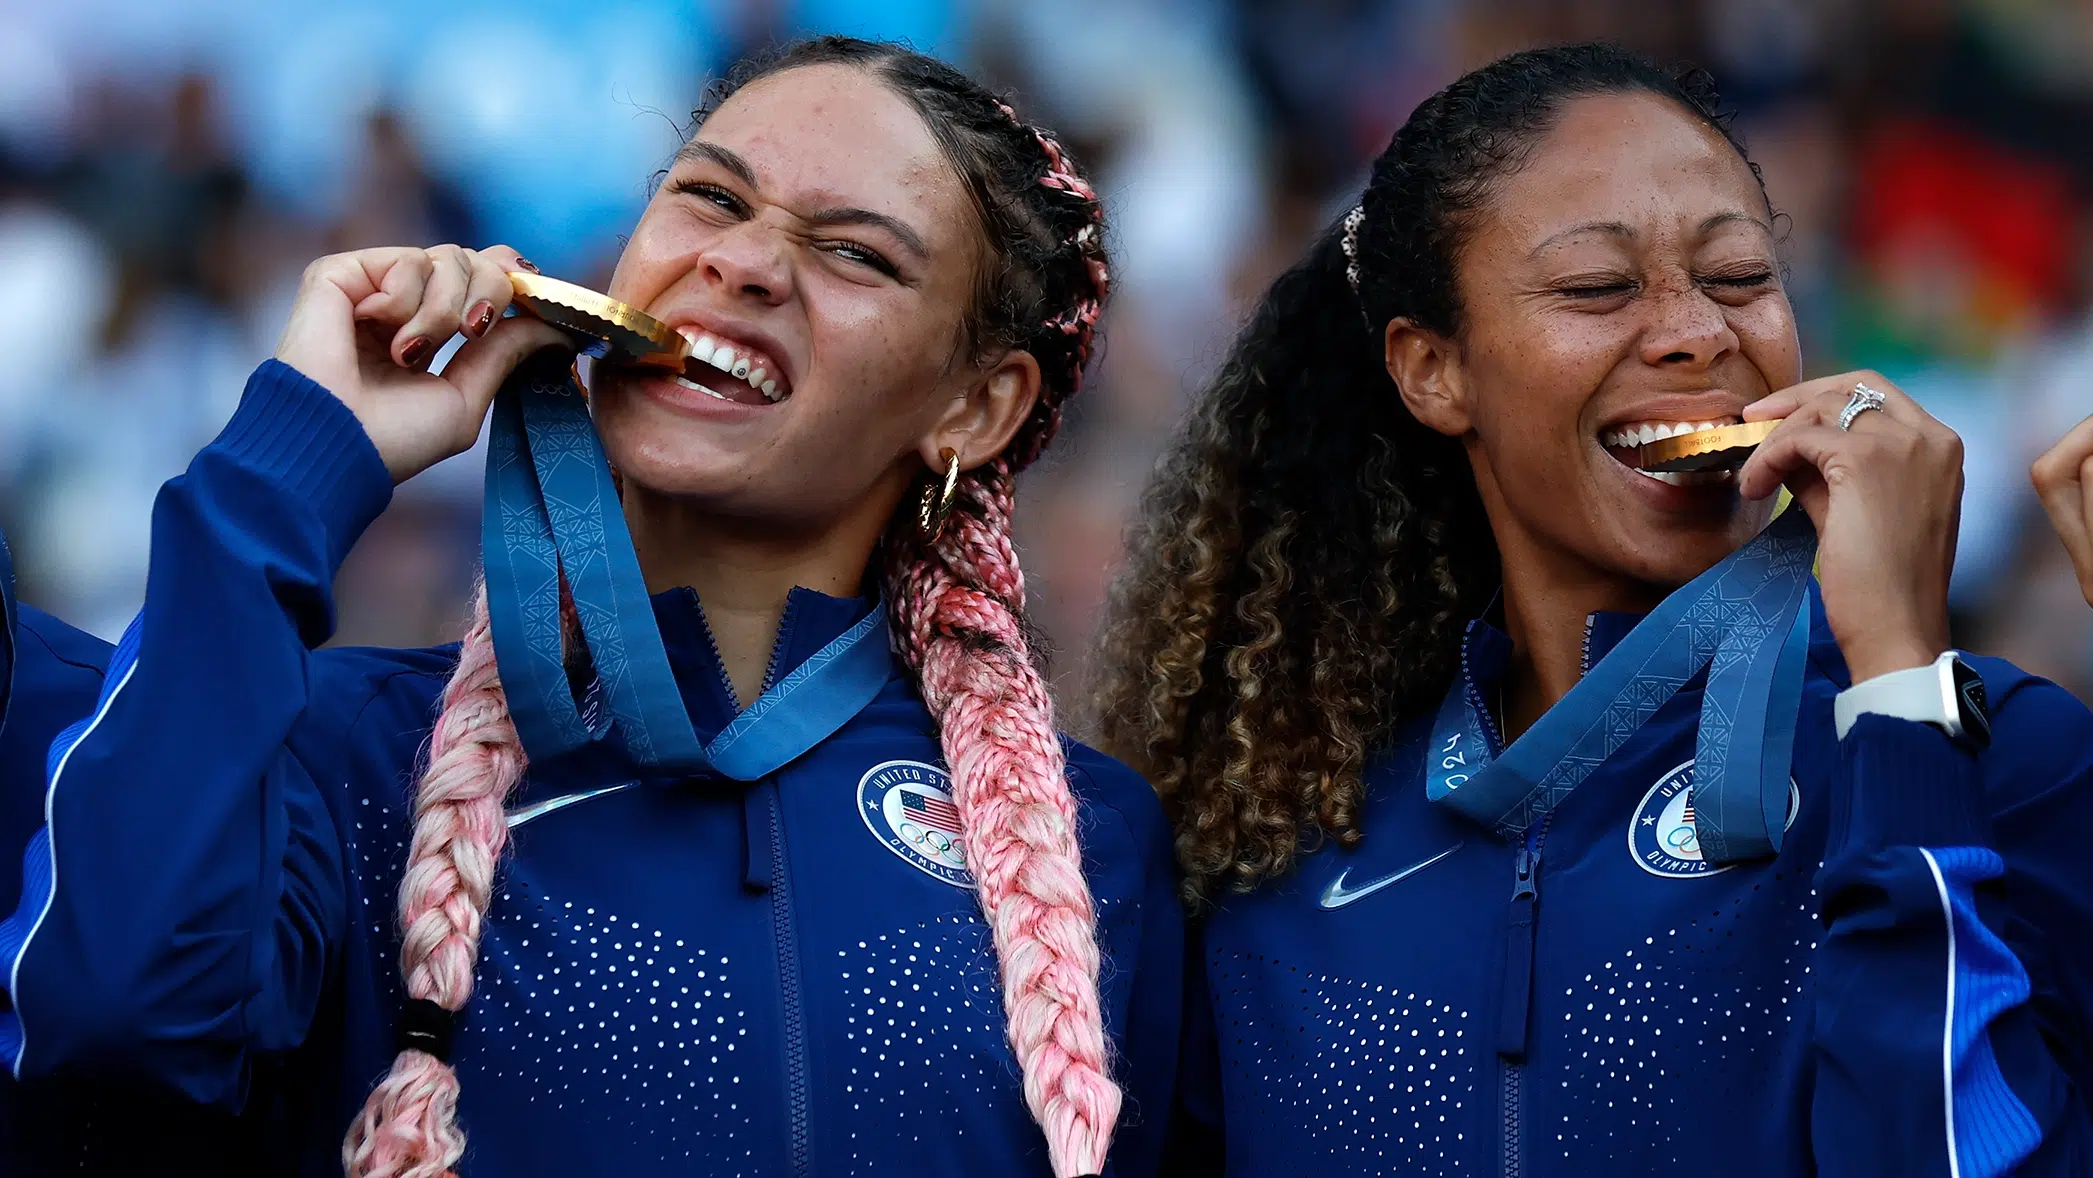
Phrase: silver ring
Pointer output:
(1862, 400)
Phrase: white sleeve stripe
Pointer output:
(14, 980)
(1947, 1034)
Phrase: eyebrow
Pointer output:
(698, 149)
(1625, 230)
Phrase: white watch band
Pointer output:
(1925, 694)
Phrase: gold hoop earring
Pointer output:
(936, 504)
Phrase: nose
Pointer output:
(748, 260)
(1687, 329)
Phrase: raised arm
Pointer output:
(181, 905)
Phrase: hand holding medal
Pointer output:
(366, 324)
(2064, 479)
(1882, 481)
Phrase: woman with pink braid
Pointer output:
(927, 935)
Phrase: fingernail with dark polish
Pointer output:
(416, 351)
(529, 265)
(480, 318)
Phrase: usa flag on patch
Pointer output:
(936, 813)
(907, 805)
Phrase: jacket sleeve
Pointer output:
(1954, 980)
(181, 902)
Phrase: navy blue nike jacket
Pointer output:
(681, 977)
(1904, 991)
(75, 1126)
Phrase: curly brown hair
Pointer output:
(1308, 551)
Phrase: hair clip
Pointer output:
(1350, 244)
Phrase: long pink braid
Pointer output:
(957, 608)
(956, 605)
(409, 1127)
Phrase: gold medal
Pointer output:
(617, 330)
(1723, 448)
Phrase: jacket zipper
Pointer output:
(783, 929)
(788, 935)
(770, 669)
(1476, 705)
(719, 661)
(1522, 930)
(777, 647)
(790, 1000)
(1515, 1009)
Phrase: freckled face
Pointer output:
(1625, 275)
(815, 224)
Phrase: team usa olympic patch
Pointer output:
(1662, 837)
(907, 806)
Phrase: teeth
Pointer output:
(722, 355)
(691, 384)
(1688, 478)
(1643, 433)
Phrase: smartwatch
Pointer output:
(1946, 693)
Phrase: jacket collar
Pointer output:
(1486, 650)
(811, 621)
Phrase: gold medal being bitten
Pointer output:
(1723, 448)
(620, 330)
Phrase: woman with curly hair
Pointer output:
(890, 922)
(1546, 815)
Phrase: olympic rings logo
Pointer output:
(934, 842)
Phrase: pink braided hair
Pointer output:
(956, 604)
(1080, 320)
(409, 1127)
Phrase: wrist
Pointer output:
(305, 442)
(1874, 657)
(1948, 694)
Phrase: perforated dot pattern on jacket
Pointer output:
(583, 1018)
(1368, 1073)
(924, 1036)
(615, 1026)
(1665, 1022)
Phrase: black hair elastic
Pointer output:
(427, 1028)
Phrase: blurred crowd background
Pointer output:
(167, 169)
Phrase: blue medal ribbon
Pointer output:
(1746, 622)
(552, 508)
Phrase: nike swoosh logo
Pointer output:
(1337, 896)
(532, 813)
